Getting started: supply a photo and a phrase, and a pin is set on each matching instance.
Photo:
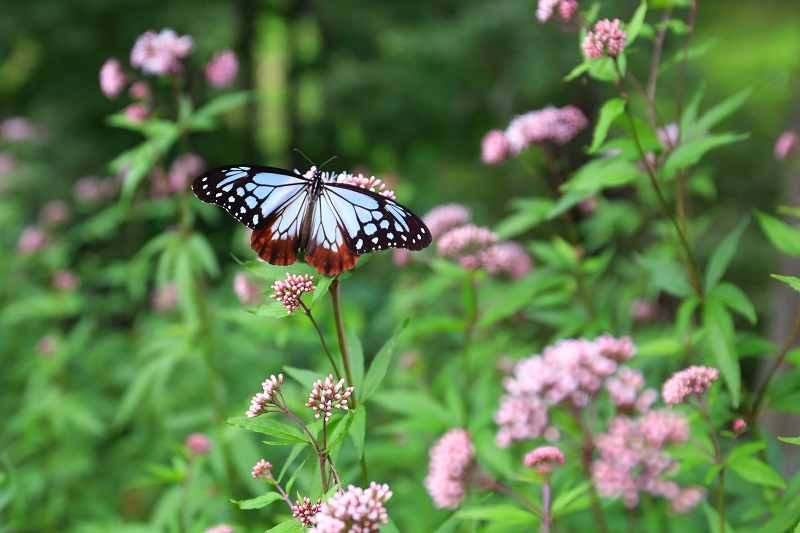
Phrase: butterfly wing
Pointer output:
(251, 194)
(270, 201)
(371, 222)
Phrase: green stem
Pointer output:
(307, 312)
(757, 405)
(718, 459)
(682, 70)
(470, 302)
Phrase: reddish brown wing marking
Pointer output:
(274, 251)
(328, 262)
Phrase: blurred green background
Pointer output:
(399, 88)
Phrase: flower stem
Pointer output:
(718, 460)
(307, 311)
(757, 405)
(337, 318)
(587, 450)
(546, 506)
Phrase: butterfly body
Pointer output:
(332, 222)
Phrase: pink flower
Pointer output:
(668, 136)
(18, 129)
(32, 240)
(632, 460)
(288, 292)
(65, 280)
(262, 469)
(548, 124)
(54, 212)
(160, 53)
(544, 459)
(219, 528)
(112, 78)
(445, 217)
(304, 510)
(372, 183)
(401, 257)
(588, 205)
(739, 425)
(693, 380)
(572, 371)
(494, 147)
(136, 113)
(355, 510)
(508, 257)
(164, 298)
(452, 458)
(326, 396)
(607, 38)
(642, 310)
(140, 90)
(183, 170)
(688, 499)
(222, 68)
(463, 239)
(88, 189)
(785, 144)
(271, 396)
(566, 9)
(46, 345)
(247, 291)
(198, 443)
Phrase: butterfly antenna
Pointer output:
(304, 155)
(328, 161)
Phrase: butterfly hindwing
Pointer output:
(251, 194)
(327, 248)
(373, 222)
(278, 240)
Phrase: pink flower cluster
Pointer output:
(183, 170)
(304, 510)
(452, 458)
(161, 53)
(572, 372)
(91, 189)
(624, 390)
(372, 183)
(544, 459)
(509, 257)
(18, 129)
(288, 292)
(164, 298)
(32, 239)
(54, 212)
(607, 38)
(693, 380)
(326, 396)
(535, 127)
(443, 218)
(112, 78)
(566, 9)
(261, 401)
(262, 470)
(65, 280)
(465, 239)
(222, 69)
(785, 145)
(198, 443)
(246, 291)
(219, 528)
(356, 510)
(632, 459)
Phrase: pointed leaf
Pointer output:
(379, 366)
(285, 433)
(358, 429)
(612, 109)
(721, 258)
(736, 300)
(635, 25)
(292, 525)
(719, 332)
(791, 281)
(782, 236)
(722, 110)
(756, 471)
(259, 502)
(690, 153)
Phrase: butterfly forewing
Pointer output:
(249, 193)
(373, 222)
(278, 240)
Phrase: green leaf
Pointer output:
(669, 276)
(203, 118)
(635, 25)
(792, 281)
(722, 255)
(304, 377)
(358, 429)
(259, 502)
(690, 113)
(603, 173)
(756, 471)
(508, 514)
(782, 236)
(356, 353)
(721, 111)
(790, 440)
(284, 433)
(569, 501)
(683, 318)
(340, 430)
(322, 284)
(379, 366)
(524, 290)
(712, 518)
(719, 331)
(690, 153)
(668, 346)
(578, 70)
(608, 114)
(292, 525)
(530, 212)
(271, 309)
(736, 300)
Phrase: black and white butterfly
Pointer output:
(333, 222)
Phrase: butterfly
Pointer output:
(332, 222)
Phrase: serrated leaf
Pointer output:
(284, 433)
(690, 153)
(612, 109)
(722, 255)
(783, 236)
(259, 502)
(379, 366)
(719, 332)
(756, 471)
(736, 300)
(791, 281)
